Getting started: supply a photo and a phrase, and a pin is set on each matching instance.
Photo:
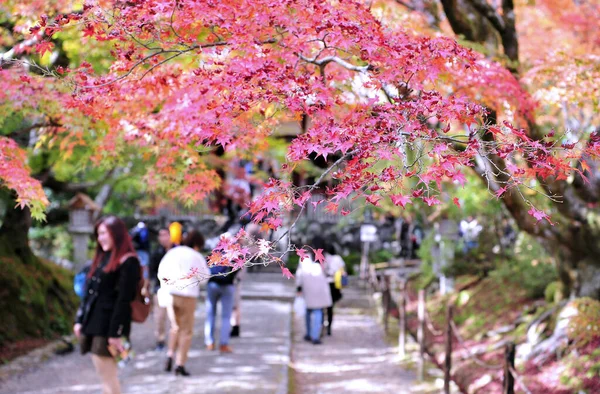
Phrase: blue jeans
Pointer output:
(214, 293)
(314, 323)
(144, 261)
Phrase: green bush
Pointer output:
(293, 261)
(381, 256)
(351, 260)
(554, 292)
(531, 266)
(584, 327)
(427, 275)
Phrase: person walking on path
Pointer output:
(333, 265)
(140, 235)
(181, 272)
(220, 288)
(236, 314)
(104, 316)
(313, 286)
(159, 312)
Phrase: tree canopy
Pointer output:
(398, 99)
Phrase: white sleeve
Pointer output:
(202, 267)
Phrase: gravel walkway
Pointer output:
(355, 359)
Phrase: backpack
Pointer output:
(340, 279)
(140, 306)
(221, 274)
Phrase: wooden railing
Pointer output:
(391, 287)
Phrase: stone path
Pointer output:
(259, 363)
(355, 359)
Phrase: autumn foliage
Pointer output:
(400, 114)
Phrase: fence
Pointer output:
(384, 283)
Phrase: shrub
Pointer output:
(554, 292)
(584, 327)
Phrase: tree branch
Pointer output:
(334, 59)
(490, 14)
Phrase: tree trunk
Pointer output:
(574, 240)
(14, 228)
(36, 297)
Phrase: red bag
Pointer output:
(140, 306)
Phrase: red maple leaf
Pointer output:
(399, 199)
(374, 199)
(43, 47)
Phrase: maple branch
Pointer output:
(8, 55)
(27, 129)
(177, 53)
(334, 59)
(310, 189)
(405, 4)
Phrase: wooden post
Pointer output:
(421, 334)
(448, 362)
(387, 299)
(508, 385)
(402, 320)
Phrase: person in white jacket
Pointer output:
(312, 283)
(181, 272)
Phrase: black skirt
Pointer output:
(94, 344)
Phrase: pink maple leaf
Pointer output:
(302, 254)
(399, 199)
(374, 199)
(431, 200)
(286, 273)
(456, 202)
(539, 215)
(319, 255)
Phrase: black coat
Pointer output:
(155, 259)
(106, 306)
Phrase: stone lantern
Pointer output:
(82, 212)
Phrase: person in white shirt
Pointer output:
(470, 229)
(312, 283)
(181, 272)
(333, 264)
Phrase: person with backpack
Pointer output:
(105, 314)
(140, 235)
(334, 266)
(181, 272)
(220, 288)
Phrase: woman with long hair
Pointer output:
(104, 316)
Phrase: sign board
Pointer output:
(368, 233)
